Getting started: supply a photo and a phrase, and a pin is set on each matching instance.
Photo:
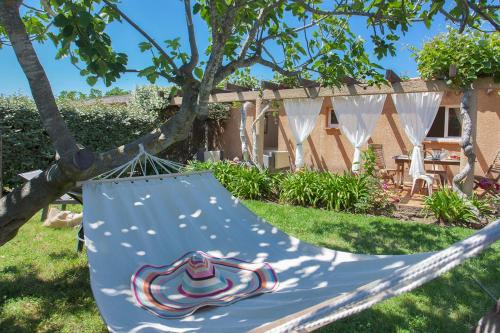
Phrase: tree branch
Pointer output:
(485, 16)
(192, 38)
(61, 137)
(178, 77)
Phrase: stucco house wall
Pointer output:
(328, 148)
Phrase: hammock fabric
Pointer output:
(155, 220)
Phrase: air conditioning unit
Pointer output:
(276, 160)
(210, 155)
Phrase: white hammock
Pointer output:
(154, 220)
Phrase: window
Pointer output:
(332, 119)
(447, 124)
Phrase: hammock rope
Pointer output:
(139, 166)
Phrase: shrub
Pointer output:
(301, 188)
(26, 146)
(347, 192)
(308, 188)
(448, 207)
(242, 181)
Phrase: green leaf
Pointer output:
(144, 46)
(196, 8)
(198, 72)
(84, 19)
(92, 80)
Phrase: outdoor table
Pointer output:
(401, 160)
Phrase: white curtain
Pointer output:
(357, 116)
(302, 114)
(417, 112)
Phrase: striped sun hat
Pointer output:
(196, 280)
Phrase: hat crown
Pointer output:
(199, 266)
(201, 278)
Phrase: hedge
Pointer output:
(26, 146)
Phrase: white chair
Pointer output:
(428, 179)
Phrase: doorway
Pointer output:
(271, 130)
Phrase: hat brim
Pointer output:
(159, 289)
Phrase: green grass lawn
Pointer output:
(44, 284)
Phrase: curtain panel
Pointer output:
(417, 112)
(302, 114)
(357, 117)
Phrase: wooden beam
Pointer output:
(309, 83)
(392, 77)
(268, 85)
(350, 81)
(219, 91)
(416, 85)
(235, 87)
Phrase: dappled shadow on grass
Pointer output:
(63, 255)
(380, 237)
(69, 292)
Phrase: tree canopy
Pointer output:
(320, 41)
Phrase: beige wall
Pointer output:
(328, 149)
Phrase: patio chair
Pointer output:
(382, 170)
(489, 182)
(428, 180)
(442, 174)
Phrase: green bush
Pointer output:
(448, 207)
(308, 188)
(242, 181)
(302, 188)
(347, 192)
(26, 146)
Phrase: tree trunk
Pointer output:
(462, 182)
(21, 204)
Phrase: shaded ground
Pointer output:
(44, 285)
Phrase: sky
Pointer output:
(165, 20)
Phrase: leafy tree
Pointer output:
(71, 95)
(242, 77)
(316, 37)
(473, 54)
(116, 91)
(461, 58)
(95, 93)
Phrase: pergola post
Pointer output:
(259, 142)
